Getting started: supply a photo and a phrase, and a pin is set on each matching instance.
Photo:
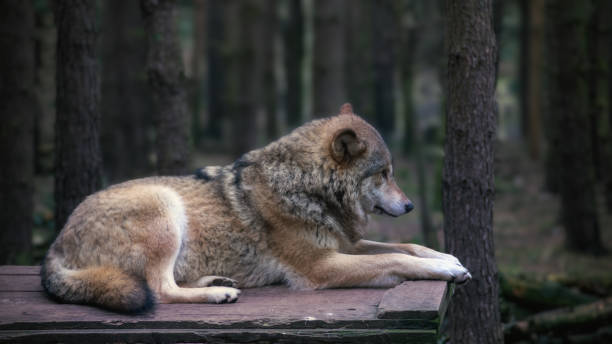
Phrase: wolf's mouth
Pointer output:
(381, 210)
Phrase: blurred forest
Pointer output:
(171, 86)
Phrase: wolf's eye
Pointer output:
(385, 174)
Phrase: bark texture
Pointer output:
(167, 81)
(17, 129)
(468, 183)
(329, 56)
(215, 13)
(244, 79)
(384, 42)
(77, 125)
(532, 40)
(293, 37)
(599, 45)
(571, 147)
(44, 88)
(125, 103)
(608, 163)
(359, 76)
(266, 47)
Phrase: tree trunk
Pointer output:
(77, 148)
(267, 48)
(552, 163)
(215, 13)
(384, 66)
(608, 166)
(17, 130)
(293, 37)
(198, 75)
(45, 43)
(167, 81)
(328, 61)
(572, 126)
(498, 18)
(468, 183)
(125, 102)
(411, 142)
(533, 93)
(600, 52)
(243, 28)
(359, 67)
(596, 81)
(524, 70)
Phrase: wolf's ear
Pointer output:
(346, 146)
(346, 109)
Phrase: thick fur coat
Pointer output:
(292, 212)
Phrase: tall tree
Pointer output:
(608, 166)
(167, 81)
(552, 161)
(598, 40)
(17, 129)
(329, 56)
(383, 48)
(198, 77)
(44, 86)
(411, 142)
(571, 127)
(532, 39)
(468, 183)
(359, 36)
(243, 28)
(215, 13)
(125, 102)
(293, 39)
(77, 126)
(266, 55)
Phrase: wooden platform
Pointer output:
(409, 313)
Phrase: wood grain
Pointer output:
(410, 300)
(407, 313)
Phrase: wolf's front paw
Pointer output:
(450, 258)
(450, 271)
(222, 294)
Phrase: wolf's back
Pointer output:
(104, 286)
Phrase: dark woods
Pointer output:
(97, 92)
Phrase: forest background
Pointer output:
(236, 75)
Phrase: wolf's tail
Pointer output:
(104, 286)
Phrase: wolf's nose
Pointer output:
(408, 207)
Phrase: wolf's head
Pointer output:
(333, 172)
(359, 150)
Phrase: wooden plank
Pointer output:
(20, 283)
(267, 307)
(409, 312)
(413, 300)
(216, 336)
(19, 270)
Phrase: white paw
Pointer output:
(222, 294)
(450, 258)
(450, 271)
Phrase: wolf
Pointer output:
(292, 212)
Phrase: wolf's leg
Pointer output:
(161, 279)
(374, 247)
(210, 281)
(378, 270)
(162, 246)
